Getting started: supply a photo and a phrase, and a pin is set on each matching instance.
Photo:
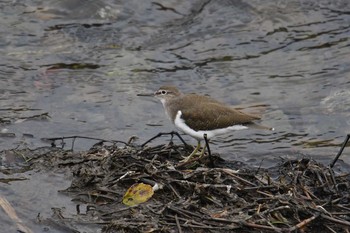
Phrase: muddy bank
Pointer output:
(294, 196)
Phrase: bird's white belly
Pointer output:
(199, 135)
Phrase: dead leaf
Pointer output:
(137, 194)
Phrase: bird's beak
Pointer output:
(145, 94)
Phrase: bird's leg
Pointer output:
(211, 164)
(193, 152)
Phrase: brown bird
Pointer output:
(197, 115)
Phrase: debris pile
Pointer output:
(295, 196)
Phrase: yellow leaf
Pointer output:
(137, 194)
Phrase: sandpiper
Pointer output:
(197, 115)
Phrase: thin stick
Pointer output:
(262, 227)
(340, 151)
(11, 212)
(178, 223)
(175, 191)
(342, 222)
(303, 223)
(81, 137)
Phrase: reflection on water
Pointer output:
(72, 68)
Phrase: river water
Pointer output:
(73, 67)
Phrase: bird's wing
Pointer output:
(213, 115)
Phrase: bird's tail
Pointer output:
(257, 109)
(257, 126)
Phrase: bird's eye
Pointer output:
(163, 92)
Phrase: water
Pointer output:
(75, 68)
(33, 196)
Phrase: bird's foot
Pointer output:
(188, 158)
(196, 152)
